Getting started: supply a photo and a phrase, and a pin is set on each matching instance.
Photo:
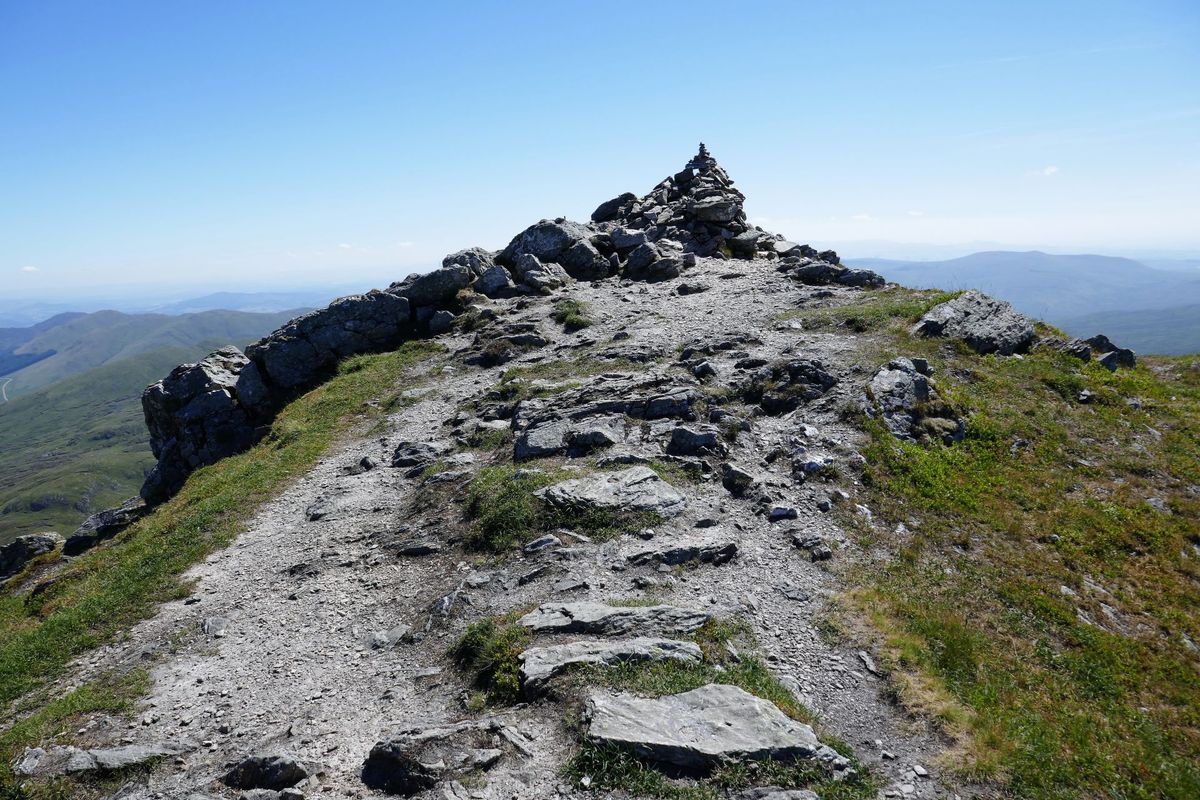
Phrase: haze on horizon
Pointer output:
(289, 143)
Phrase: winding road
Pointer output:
(4, 389)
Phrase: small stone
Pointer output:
(779, 513)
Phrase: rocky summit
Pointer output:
(593, 532)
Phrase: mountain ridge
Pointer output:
(511, 527)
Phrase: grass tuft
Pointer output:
(573, 315)
(490, 651)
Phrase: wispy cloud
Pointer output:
(916, 213)
(863, 217)
(30, 269)
(405, 244)
(345, 246)
(1046, 171)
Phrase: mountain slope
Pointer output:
(13, 338)
(87, 341)
(79, 445)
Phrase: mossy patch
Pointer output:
(573, 315)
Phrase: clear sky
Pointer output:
(238, 142)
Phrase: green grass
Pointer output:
(573, 315)
(109, 589)
(504, 512)
(60, 716)
(1045, 493)
(489, 650)
(881, 309)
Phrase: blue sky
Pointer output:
(267, 143)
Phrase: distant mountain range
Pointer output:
(69, 344)
(25, 311)
(1150, 309)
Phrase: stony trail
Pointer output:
(312, 658)
(289, 666)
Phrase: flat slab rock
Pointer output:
(36, 762)
(605, 620)
(700, 729)
(540, 665)
(634, 489)
(776, 793)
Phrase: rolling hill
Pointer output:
(77, 446)
(76, 343)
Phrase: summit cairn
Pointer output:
(697, 207)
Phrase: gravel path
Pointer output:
(294, 671)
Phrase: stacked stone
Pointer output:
(698, 209)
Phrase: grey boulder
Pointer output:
(418, 759)
(987, 325)
(475, 259)
(266, 772)
(909, 404)
(494, 281)
(307, 349)
(677, 553)
(37, 762)
(775, 793)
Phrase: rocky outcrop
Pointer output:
(700, 729)
(903, 396)
(201, 413)
(308, 348)
(105, 525)
(805, 265)
(987, 325)
(20, 551)
(1109, 355)
(220, 406)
